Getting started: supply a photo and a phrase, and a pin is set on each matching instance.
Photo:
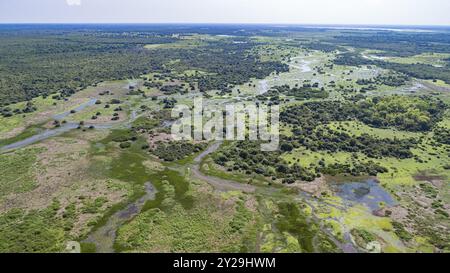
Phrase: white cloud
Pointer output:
(73, 2)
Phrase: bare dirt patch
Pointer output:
(61, 164)
(315, 188)
(155, 139)
(424, 177)
(89, 190)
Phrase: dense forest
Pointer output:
(177, 150)
(304, 92)
(396, 43)
(417, 114)
(404, 113)
(35, 64)
(247, 157)
(43, 63)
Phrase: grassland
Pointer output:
(70, 186)
(435, 59)
(17, 175)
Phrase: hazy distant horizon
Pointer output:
(235, 26)
(331, 25)
(260, 12)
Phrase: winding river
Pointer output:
(218, 183)
(104, 237)
(64, 128)
(45, 134)
(263, 87)
(226, 185)
(305, 66)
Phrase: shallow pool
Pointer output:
(369, 193)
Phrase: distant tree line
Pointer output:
(401, 112)
(419, 70)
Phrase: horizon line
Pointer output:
(225, 23)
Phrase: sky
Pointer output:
(370, 12)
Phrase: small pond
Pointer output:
(369, 193)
